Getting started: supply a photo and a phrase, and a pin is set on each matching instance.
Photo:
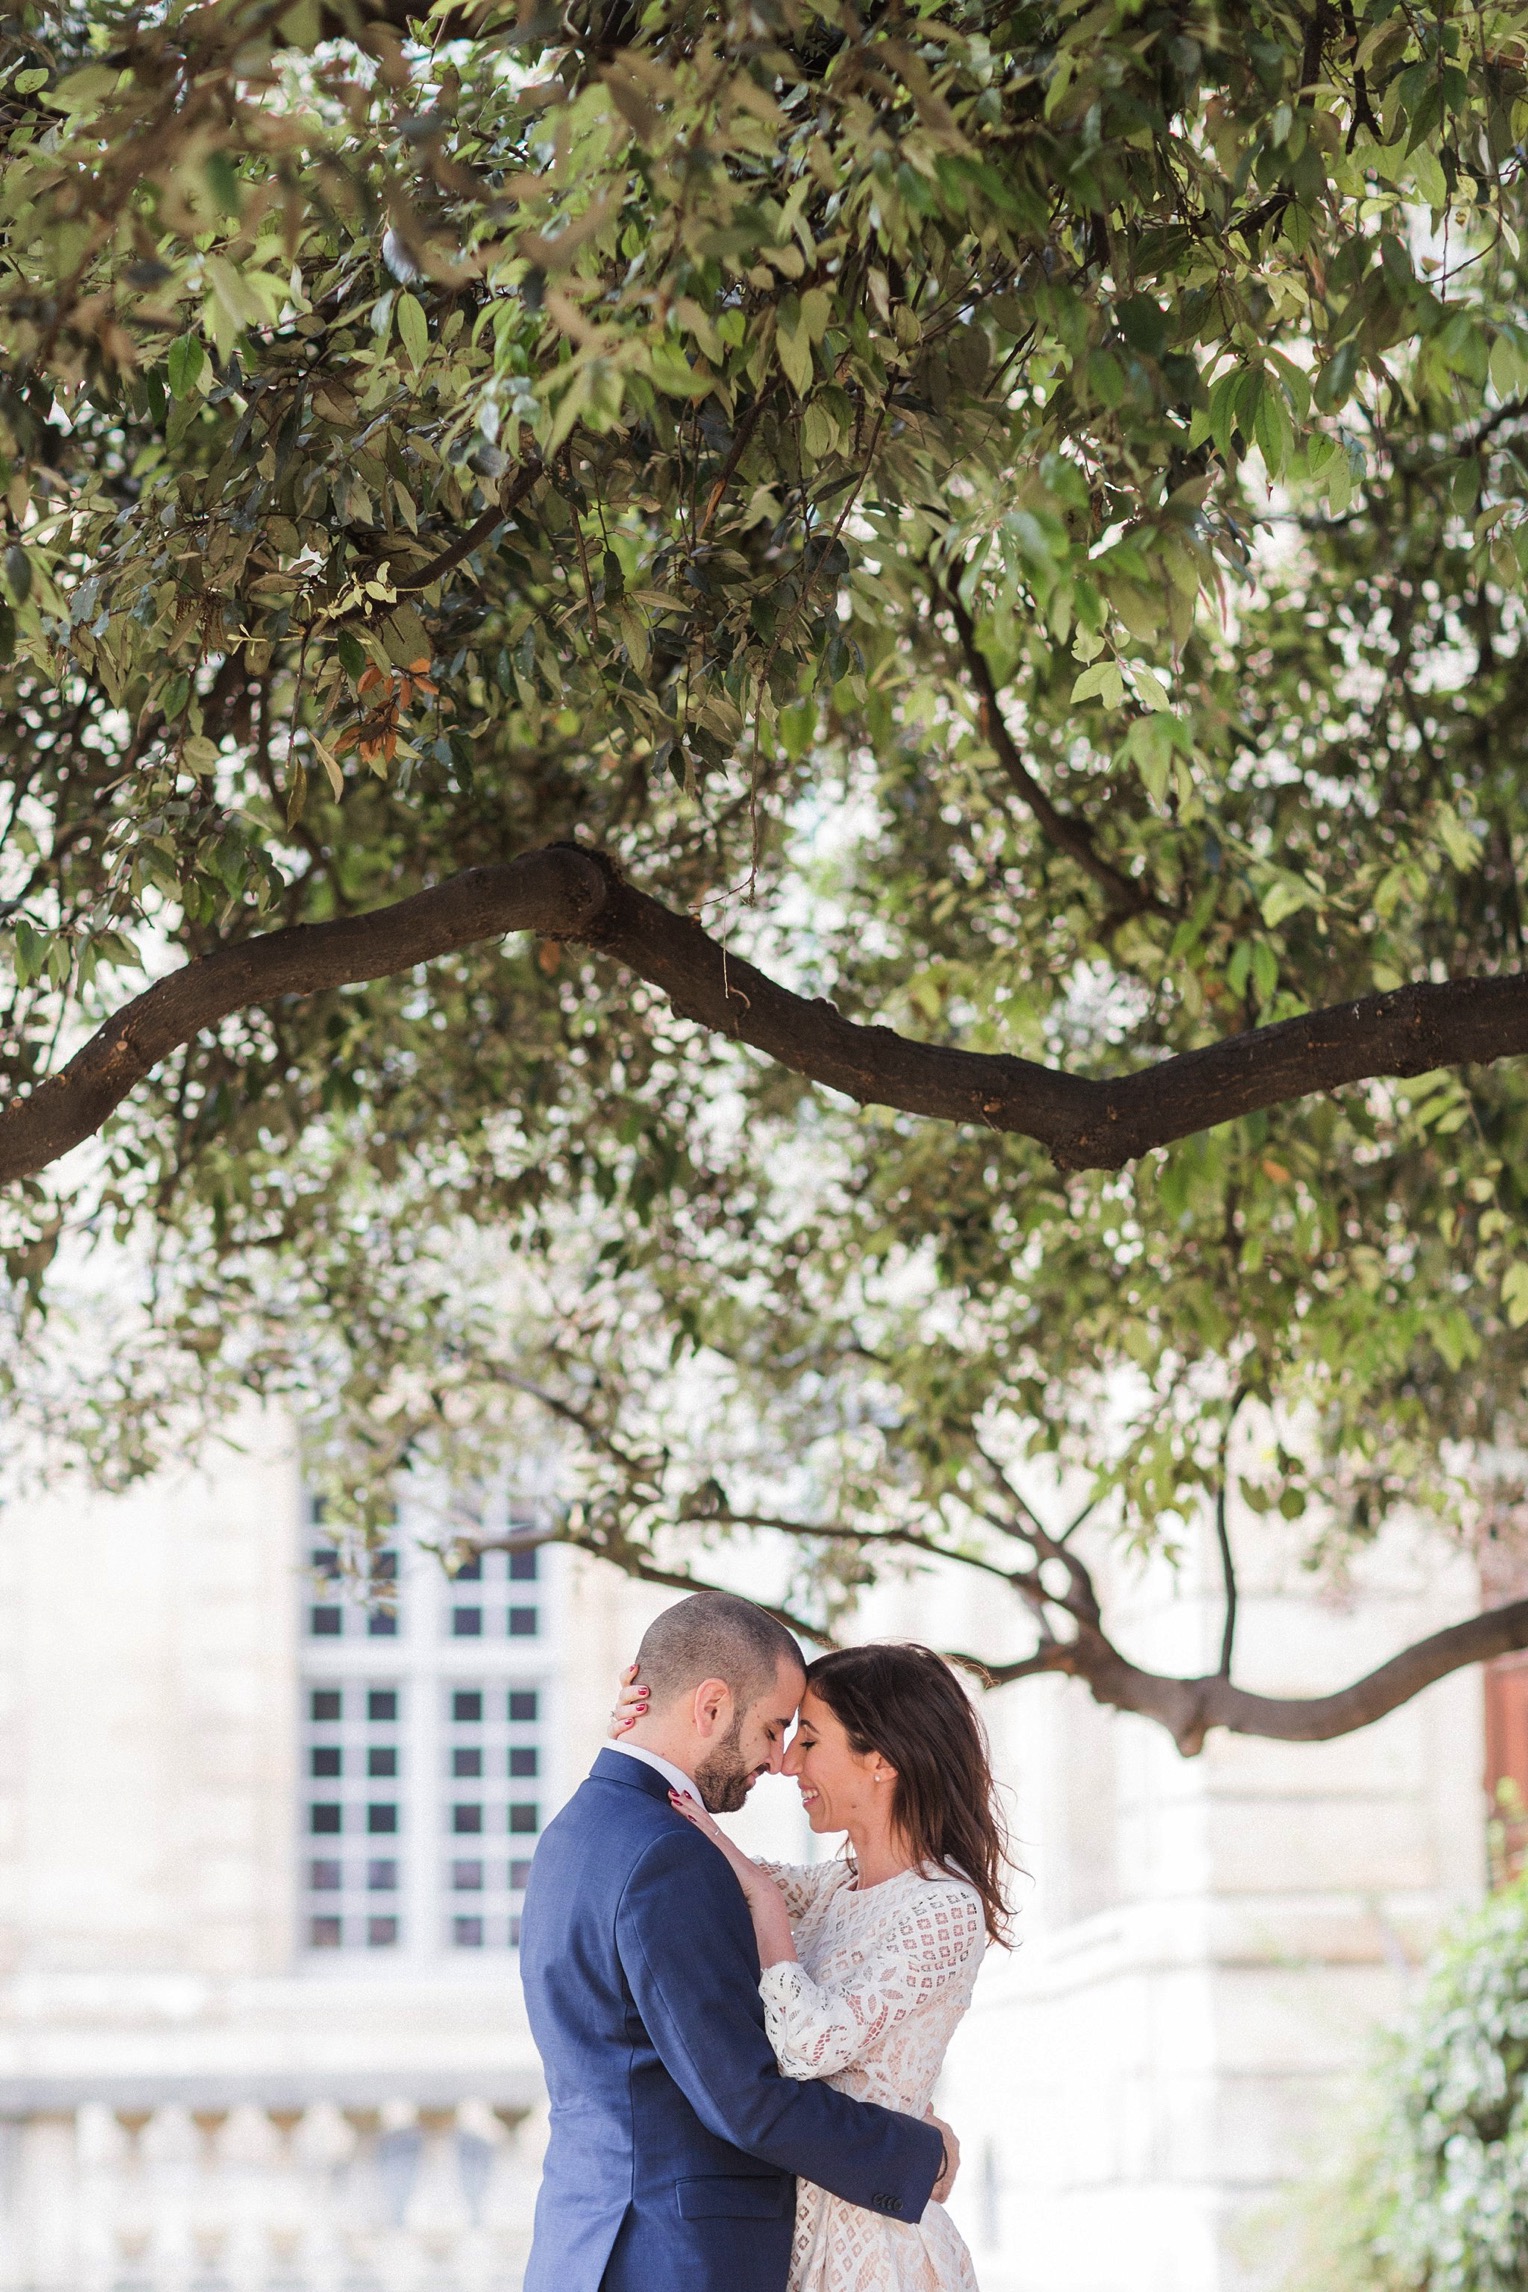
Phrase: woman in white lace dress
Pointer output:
(869, 1963)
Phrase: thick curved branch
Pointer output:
(565, 893)
(1189, 1708)
(546, 892)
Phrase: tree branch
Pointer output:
(1223, 1537)
(545, 892)
(907, 1538)
(566, 893)
(1189, 1708)
(481, 530)
(1228, 1576)
(1127, 896)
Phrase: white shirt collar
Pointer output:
(674, 1776)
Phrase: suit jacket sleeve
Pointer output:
(687, 1949)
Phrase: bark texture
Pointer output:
(563, 892)
(1190, 1708)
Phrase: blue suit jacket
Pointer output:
(674, 2138)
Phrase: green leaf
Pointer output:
(1101, 681)
(1143, 323)
(798, 728)
(1286, 896)
(406, 638)
(1461, 846)
(223, 182)
(184, 363)
(31, 951)
(413, 328)
(1514, 1293)
(795, 346)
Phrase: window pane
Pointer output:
(514, 1933)
(381, 1759)
(467, 1705)
(382, 1624)
(466, 1623)
(381, 1933)
(470, 1571)
(381, 1819)
(384, 1568)
(467, 1877)
(524, 1567)
(519, 1876)
(466, 1762)
(523, 1818)
(318, 1511)
(324, 1933)
(381, 1704)
(524, 1759)
(381, 1877)
(325, 1562)
(522, 1623)
(325, 1703)
(467, 1933)
(325, 1759)
(465, 1819)
(523, 1705)
(325, 1623)
(323, 1820)
(325, 1877)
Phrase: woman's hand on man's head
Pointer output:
(631, 1704)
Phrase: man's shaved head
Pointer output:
(712, 1635)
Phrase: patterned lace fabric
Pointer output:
(882, 1981)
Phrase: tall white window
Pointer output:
(426, 1721)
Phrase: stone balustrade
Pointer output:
(214, 2192)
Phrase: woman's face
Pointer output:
(837, 1783)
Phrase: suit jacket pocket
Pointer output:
(732, 2197)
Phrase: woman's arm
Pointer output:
(766, 1903)
(936, 1941)
(803, 1883)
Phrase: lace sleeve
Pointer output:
(816, 2031)
(803, 1883)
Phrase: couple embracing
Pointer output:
(741, 2055)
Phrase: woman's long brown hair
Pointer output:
(905, 1702)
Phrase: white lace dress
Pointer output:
(882, 1981)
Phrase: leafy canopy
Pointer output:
(1015, 513)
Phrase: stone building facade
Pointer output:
(260, 1852)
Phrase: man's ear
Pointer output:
(712, 1707)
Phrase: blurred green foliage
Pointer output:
(1437, 2198)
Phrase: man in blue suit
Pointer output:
(675, 2141)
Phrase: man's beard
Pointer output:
(722, 1779)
